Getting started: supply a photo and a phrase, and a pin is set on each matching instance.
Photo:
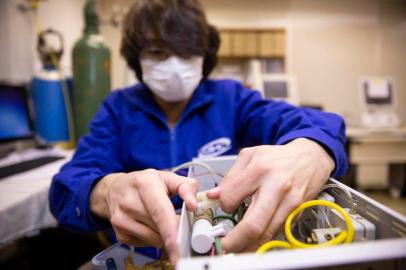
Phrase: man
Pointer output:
(117, 177)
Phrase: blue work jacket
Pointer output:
(130, 132)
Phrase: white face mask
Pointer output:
(173, 79)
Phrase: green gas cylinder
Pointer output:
(91, 71)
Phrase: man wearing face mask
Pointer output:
(118, 176)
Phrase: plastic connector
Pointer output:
(204, 203)
(363, 228)
(204, 233)
(319, 236)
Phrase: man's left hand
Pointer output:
(278, 179)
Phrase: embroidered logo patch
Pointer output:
(215, 148)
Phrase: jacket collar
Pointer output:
(146, 102)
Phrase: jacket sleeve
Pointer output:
(263, 121)
(96, 156)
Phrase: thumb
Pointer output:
(185, 187)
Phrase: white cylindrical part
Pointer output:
(202, 238)
(208, 204)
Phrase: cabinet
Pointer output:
(373, 153)
(252, 43)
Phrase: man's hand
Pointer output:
(278, 178)
(139, 207)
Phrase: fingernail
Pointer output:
(213, 192)
(192, 205)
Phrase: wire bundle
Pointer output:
(346, 236)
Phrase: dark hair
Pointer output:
(179, 25)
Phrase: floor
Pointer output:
(55, 248)
(382, 196)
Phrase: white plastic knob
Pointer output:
(202, 237)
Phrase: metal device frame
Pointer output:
(388, 251)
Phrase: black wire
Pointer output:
(235, 222)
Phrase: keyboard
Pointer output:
(26, 165)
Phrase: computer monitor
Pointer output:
(280, 87)
(378, 92)
(15, 121)
(276, 89)
(378, 98)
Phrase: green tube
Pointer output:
(91, 71)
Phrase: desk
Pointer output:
(24, 207)
(372, 151)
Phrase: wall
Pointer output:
(121, 75)
(16, 39)
(67, 17)
(330, 44)
(18, 53)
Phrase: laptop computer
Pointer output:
(17, 133)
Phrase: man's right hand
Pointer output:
(139, 208)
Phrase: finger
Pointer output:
(288, 204)
(244, 184)
(243, 158)
(133, 207)
(255, 220)
(252, 248)
(154, 194)
(241, 162)
(125, 224)
(214, 193)
(185, 187)
(130, 240)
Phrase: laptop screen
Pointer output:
(14, 113)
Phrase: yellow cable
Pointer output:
(273, 244)
(343, 237)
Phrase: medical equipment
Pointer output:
(91, 71)
(377, 241)
(205, 232)
(378, 97)
(50, 94)
(279, 87)
(378, 234)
